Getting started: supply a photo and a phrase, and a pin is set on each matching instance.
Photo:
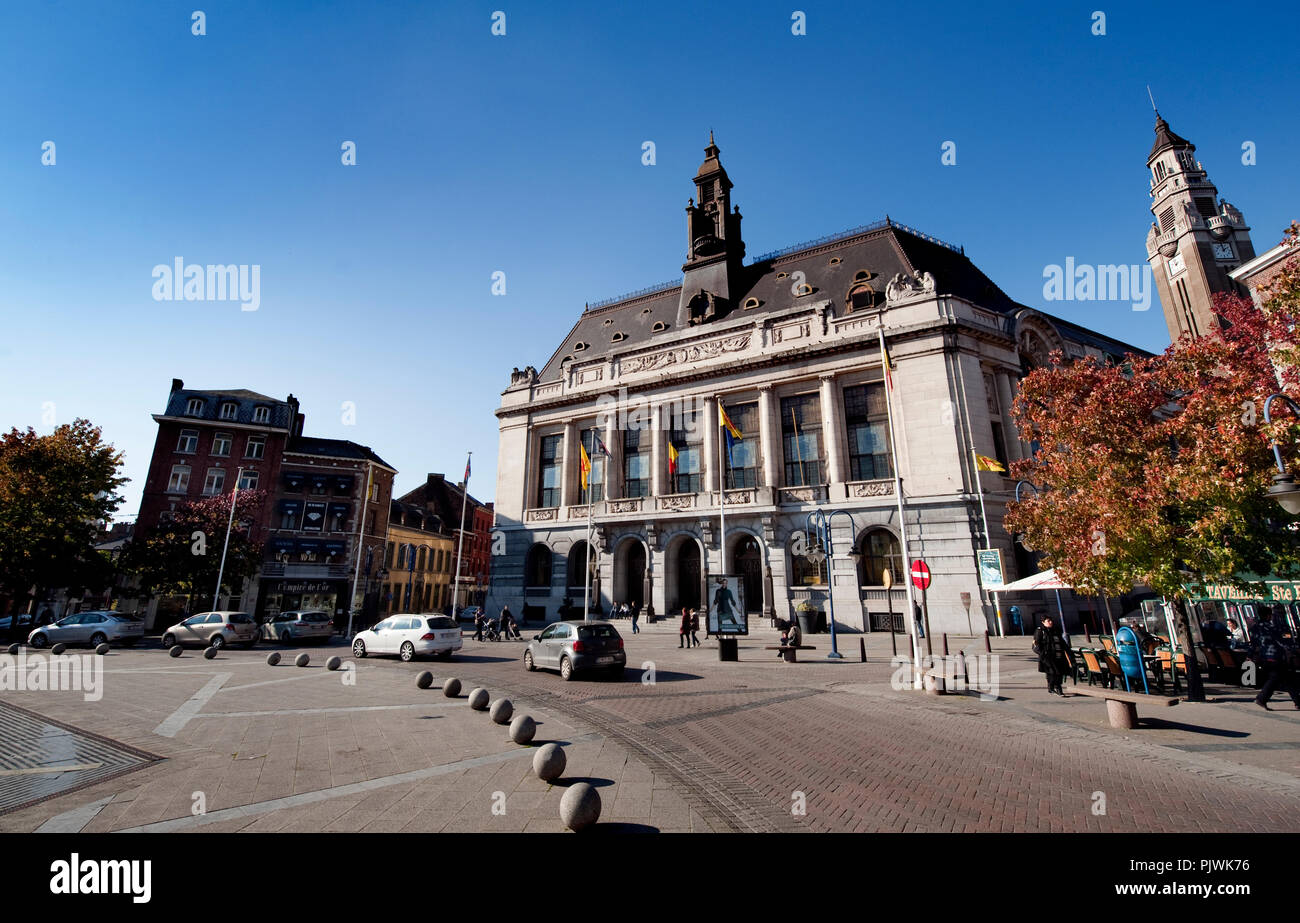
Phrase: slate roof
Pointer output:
(884, 249)
(1166, 139)
(335, 448)
(281, 414)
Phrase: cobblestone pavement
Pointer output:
(685, 743)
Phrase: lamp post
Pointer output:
(819, 523)
(1284, 490)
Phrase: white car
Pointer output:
(410, 636)
(289, 627)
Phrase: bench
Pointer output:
(1121, 706)
(789, 652)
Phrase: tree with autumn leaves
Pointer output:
(1156, 471)
(183, 555)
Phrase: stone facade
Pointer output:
(790, 344)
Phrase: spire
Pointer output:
(711, 163)
(1166, 139)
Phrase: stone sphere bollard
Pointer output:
(58, 648)
(334, 663)
(501, 711)
(451, 688)
(102, 649)
(523, 729)
(209, 653)
(424, 680)
(13, 649)
(549, 762)
(176, 650)
(273, 658)
(580, 806)
(302, 660)
(478, 699)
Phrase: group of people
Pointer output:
(690, 625)
(632, 611)
(507, 626)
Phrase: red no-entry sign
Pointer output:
(921, 575)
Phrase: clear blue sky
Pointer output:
(522, 153)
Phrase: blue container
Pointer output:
(1130, 658)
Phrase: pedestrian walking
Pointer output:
(695, 626)
(1276, 661)
(478, 625)
(683, 633)
(636, 613)
(1053, 654)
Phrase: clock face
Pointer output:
(1223, 251)
(1176, 265)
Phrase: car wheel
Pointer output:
(358, 648)
(528, 662)
(566, 669)
(98, 638)
(169, 641)
(446, 655)
(217, 642)
(408, 652)
(286, 636)
(39, 641)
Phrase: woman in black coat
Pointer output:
(1053, 655)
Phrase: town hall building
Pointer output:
(789, 343)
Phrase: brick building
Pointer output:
(419, 559)
(445, 500)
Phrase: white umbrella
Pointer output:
(1046, 580)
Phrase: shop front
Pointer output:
(289, 594)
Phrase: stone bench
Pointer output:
(789, 652)
(1121, 706)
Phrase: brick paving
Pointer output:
(708, 746)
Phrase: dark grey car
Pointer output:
(574, 647)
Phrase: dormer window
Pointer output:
(262, 414)
(861, 297)
(618, 337)
(802, 290)
(659, 326)
(862, 275)
(609, 322)
(835, 261)
(229, 410)
(782, 275)
(750, 304)
(579, 347)
(194, 407)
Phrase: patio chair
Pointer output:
(1096, 672)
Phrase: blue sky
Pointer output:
(522, 153)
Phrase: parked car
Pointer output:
(24, 621)
(214, 629)
(91, 627)
(469, 613)
(303, 625)
(576, 646)
(410, 636)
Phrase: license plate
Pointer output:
(604, 660)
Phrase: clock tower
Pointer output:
(714, 248)
(1196, 239)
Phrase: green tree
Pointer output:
(182, 556)
(1156, 471)
(54, 490)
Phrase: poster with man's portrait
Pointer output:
(727, 606)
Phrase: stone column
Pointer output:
(1005, 397)
(613, 464)
(769, 437)
(658, 455)
(569, 486)
(709, 446)
(831, 430)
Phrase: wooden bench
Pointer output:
(1121, 706)
(790, 653)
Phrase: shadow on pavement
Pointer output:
(594, 782)
(1162, 724)
(621, 828)
(478, 658)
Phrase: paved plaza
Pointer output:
(685, 744)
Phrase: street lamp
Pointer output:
(819, 523)
(1034, 487)
(1284, 489)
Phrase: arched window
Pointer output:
(577, 556)
(537, 567)
(804, 572)
(880, 550)
(861, 297)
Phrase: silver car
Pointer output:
(93, 627)
(573, 647)
(299, 625)
(214, 629)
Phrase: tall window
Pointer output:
(548, 485)
(256, 447)
(194, 407)
(179, 483)
(261, 414)
(221, 444)
(686, 437)
(879, 549)
(215, 482)
(801, 433)
(742, 467)
(867, 420)
(537, 567)
(248, 480)
(804, 572)
(189, 442)
(229, 410)
(636, 463)
(999, 444)
(596, 479)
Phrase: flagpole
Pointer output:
(234, 496)
(586, 571)
(902, 518)
(988, 538)
(460, 547)
(356, 571)
(722, 492)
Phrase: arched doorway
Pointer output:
(629, 573)
(682, 584)
(746, 560)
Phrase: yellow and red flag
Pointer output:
(584, 463)
(984, 463)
